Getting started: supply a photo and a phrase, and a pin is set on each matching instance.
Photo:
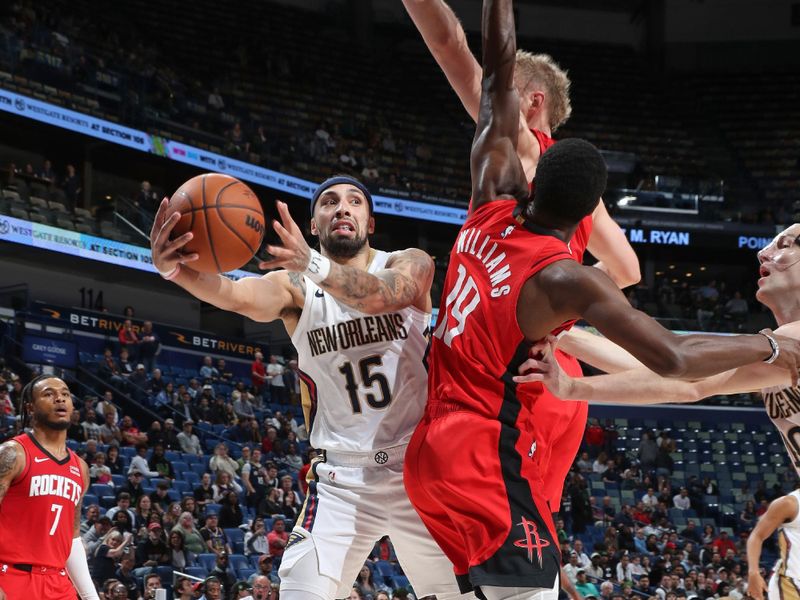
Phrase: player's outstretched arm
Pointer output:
(259, 298)
(444, 36)
(495, 167)
(597, 351)
(406, 280)
(612, 249)
(566, 290)
(781, 511)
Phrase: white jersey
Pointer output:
(783, 407)
(783, 583)
(364, 381)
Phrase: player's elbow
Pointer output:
(669, 363)
(629, 274)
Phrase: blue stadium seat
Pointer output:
(108, 501)
(119, 480)
(179, 465)
(191, 478)
(128, 451)
(181, 487)
(238, 562)
(385, 568)
(234, 535)
(207, 560)
(101, 489)
(172, 456)
(89, 499)
(212, 507)
(400, 581)
(244, 574)
(165, 573)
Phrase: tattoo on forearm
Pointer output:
(296, 279)
(357, 288)
(8, 459)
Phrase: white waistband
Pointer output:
(385, 457)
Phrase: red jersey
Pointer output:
(37, 515)
(477, 336)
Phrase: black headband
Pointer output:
(336, 181)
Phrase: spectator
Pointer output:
(215, 100)
(207, 371)
(278, 538)
(264, 573)
(216, 540)
(664, 462)
(255, 540)
(190, 443)
(159, 463)
(648, 451)
(180, 557)
(126, 367)
(258, 374)
(572, 567)
(584, 586)
(584, 462)
(624, 570)
(650, 499)
(254, 479)
(133, 486)
(99, 471)
(224, 485)
(148, 346)
(594, 437)
(108, 554)
(139, 463)
(113, 461)
(289, 505)
(75, 430)
(230, 515)
(242, 405)
(193, 540)
(128, 338)
(160, 497)
(681, 500)
(109, 370)
(366, 583)
(271, 504)
(93, 537)
(723, 543)
(224, 374)
(204, 493)
(109, 432)
(600, 464)
(292, 379)
(170, 436)
(131, 436)
(277, 387)
(184, 590)
(222, 462)
(152, 582)
(146, 198)
(72, 186)
(221, 572)
(595, 569)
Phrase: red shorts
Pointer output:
(40, 582)
(474, 484)
(559, 427)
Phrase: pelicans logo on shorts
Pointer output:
(295, 538)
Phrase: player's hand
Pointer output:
(546, 370)
(756, 586)
(2, 594)
(789, 357)
(167, 253)
(295, 253)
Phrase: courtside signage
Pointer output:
(41, 350)
(82, 245)
(30, 108)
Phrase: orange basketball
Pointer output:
(225, 217)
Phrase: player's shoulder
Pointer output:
(786, 506)
(409, 255)
(12, 458)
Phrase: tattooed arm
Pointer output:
(406, 281)
(12, 462)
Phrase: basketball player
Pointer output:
(359, 319)
(545, 105)
(783, 514)
(472, 469)
(778, 290)
(42, 483)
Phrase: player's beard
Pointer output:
(41, 420)
(342, 247)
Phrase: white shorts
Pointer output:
(781, 587)
(347, 510)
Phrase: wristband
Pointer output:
(169, 276)
(776, 349)
(318, 268)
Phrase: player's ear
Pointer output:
(314, 230)
(371, 225)
(536, 102)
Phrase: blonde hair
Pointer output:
(542, 70)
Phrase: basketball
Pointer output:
(225, 217)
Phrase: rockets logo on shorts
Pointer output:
(532, 541)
